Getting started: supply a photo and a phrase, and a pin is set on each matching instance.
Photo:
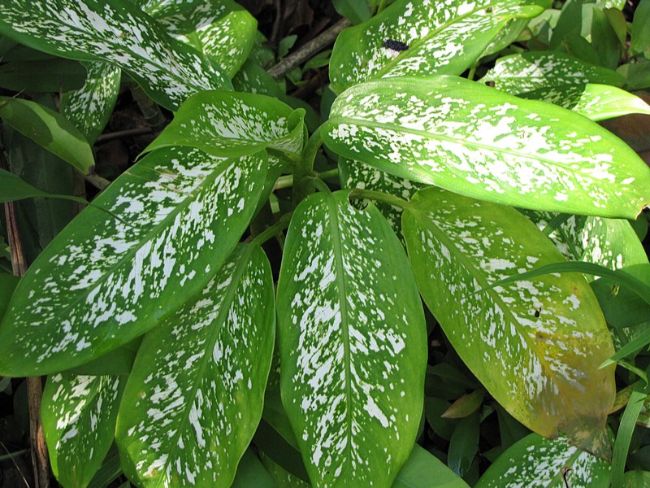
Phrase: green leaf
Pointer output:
(637, 479)
(194, 398)
(539, 462)
(12, 188)
(535, 346)
(352, 343)
(281, 477)
(50, 75)
(624, 435)
(356, 10)
(252, 78)
(356, 174)
(252, 473)
(464, 406)
(48, 129)
(78, 415)
(463, 445)
(612, 243)
(220, 29)
(421, 38)
(117, 32)
(598, 102)
(227, 123)
(477, 141)
(640, 32)
(423, 468)
(532, 71)
(104, 281)
(7, 285)
(637, 75)
(89, 108)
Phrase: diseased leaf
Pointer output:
(103, 281)
(536, 346)
(227, 123)
(535, 461)
(421, 38)
(78, 415)
(117, 32)
(352, 343)
(48, 129)
(89, 108)
(222, 30)
(194, 398)
(355, 174)
(476, 141)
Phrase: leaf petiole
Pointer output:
(380, 196)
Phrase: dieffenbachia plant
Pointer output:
(154, 312)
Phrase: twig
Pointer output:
(308, 50)
(11, 456)
(124, 133)
(34, 385)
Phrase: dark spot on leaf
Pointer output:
(395, 45)
(537, 313)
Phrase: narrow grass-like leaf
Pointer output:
(624, 434)
(104, 281)
(90, 107)
(48, 129)
(543, 463)
(477, 141)
(194, 398)
(225, 123)
(352, 343)
(421, 38)
(535, 346)
(117, 32)
(78, 415)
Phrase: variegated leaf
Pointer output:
(535, 345)
(90, 107)
(220, 29)
(117, 32)
(355, 174)
(612, 243)
(352, 343)
(225, 123)
(420, 38)
(194, 398)
(477, 141)
(78, 415)
(533, 71)
(106, 279)
(543, 463)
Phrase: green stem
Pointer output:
(382, 4)
(472, 71)
(319, 184)
(272, 231)
(380, 196)
(286, 181)
(305, 166)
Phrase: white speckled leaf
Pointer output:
(535, 345)
(477, 141)
(352, 343)
(104, 281)
(117, 32)
(420, 38)
(535, 462)
(90, 107)
(612, 243)
(78, 415)
(194, 398)
(531, 71)
(220, 29)
(225, 123)
(355, 174)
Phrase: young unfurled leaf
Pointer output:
(227, 123)
(90, 107)
(352, 343)
(78, 414)
(48, 129)
(222, 30)
(104, 280)
(421, 38)
(117, 32)
(477, 141)
(537, 345)
(544, 463)
(194, 398)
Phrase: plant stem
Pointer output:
(308, 50)
(472, 71)
(272, 231)
(305, 167)
(286, 181)
(380, 196)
